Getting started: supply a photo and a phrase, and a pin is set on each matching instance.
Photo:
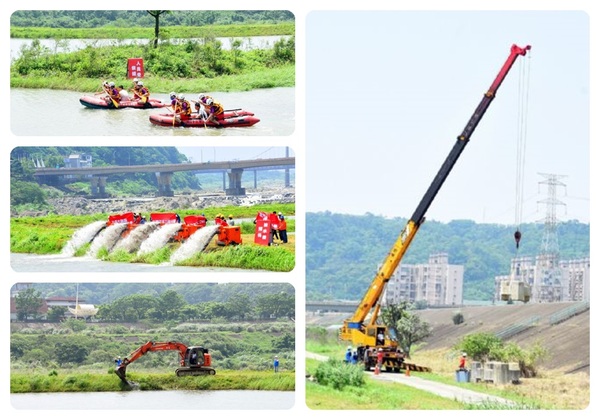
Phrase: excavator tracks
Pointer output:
(195, 372)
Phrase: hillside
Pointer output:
(568, 343)
(343, 251)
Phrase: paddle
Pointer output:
(173, 111)
(115, 103)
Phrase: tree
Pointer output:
(156, 15)
(238, 306)
(70, 352)
(408, 326)
(411, 330)
(56, 313)
(170, 304)
(285, 342)
(28, 303)
(276, 305)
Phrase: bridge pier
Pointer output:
(164, 184)
(98, 186)
(235, 183)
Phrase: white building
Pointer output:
(570, 281)
(438, 283)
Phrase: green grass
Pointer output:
(246, 256)
(190, 66)
(373, 396)
(525, 397)
(69, 381)
(49, 234)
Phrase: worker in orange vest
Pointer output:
(282, 229)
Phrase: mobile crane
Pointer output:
(194, 360)
(365, 334)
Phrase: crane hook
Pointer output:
(517, 237)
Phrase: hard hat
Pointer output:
(201, 96)
(231, 215)
(173, 95)
(209, 101)
(181, 96)
(380, 349)
(349, 347)
(464, 354)
(111, 84)
(140, 83)
(135, 79)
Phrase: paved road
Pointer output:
(443, 390)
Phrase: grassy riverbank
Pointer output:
(549, 391)
(196, 62)
(49, 235)
(73, 381)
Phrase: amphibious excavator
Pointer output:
(364, 332)
(194, 360)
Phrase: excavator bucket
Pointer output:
(121, 372)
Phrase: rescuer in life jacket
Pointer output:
(183, 109)
(216, 113)
(113, 93)
(143, 92)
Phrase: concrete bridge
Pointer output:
(232, 173)
(332, 306)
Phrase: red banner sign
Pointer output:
(262, 229)
(135, 68)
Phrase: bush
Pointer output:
(458, 318)
(486, 346)
(339, 374)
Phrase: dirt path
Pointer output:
(443, 390)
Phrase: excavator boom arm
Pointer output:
(155, 346)
(392, 260)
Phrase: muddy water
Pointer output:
(60, 263)
(163, 400)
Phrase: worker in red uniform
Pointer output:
(379, 359)
(274, 221)
(462, 362)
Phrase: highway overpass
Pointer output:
(232, 172)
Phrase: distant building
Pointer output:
(68, 303)
(78, 161)
(571, 282)
(437, 283)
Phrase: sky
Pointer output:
(388, 92)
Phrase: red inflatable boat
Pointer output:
(100, 102)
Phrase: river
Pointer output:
(69, 45)
(155, 400)
(33, 263)
(49, 112)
